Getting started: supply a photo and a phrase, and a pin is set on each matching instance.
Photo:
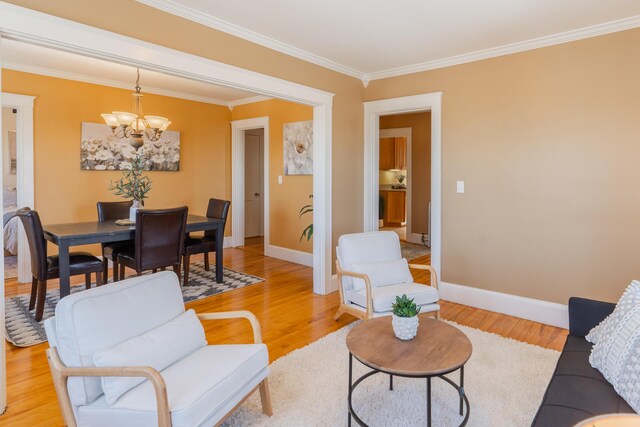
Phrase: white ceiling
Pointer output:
(40, 60)
(378, 38)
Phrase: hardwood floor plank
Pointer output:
(291, 315)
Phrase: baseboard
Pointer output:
(546, 312)
(290, 255)
(334, 285)
(416, 238)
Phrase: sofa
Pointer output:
(577, 391)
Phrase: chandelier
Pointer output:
(136, 125)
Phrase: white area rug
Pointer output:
(505, 381)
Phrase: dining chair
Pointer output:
(110, 211)
(159, 241)
(45, 267)
(218, 209)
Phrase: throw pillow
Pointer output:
(617, 350)
(603, 328)
(382, 273)
(157, 348)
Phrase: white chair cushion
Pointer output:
(99, 318)
(197, 396)
(375, 246)
(382, 273)
(385, 296)
(157, 348)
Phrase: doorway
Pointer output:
(17, 180)
(374, 111)
(254, 201)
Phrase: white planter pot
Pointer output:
(133, 209)
(405, 328)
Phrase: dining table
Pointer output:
(86, 233)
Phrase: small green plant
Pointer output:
(133, 185)
(405, 307)
(307, 232)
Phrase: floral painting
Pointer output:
(298, 148)
(101, 150)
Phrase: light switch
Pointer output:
(279, 179)
(460, 186)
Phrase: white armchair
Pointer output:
(128, 354)
(371, 273)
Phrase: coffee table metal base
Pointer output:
(464, 401)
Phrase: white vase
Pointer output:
(133, 209)
(405, 328)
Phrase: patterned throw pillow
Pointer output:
(617, 350)
(604, 328)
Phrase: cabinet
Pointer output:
(395, 207)
(393, 153)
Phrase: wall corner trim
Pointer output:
(290, 255)
(549, 313)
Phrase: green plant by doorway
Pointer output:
(307, 232)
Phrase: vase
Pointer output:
(405, 328)
(133, 210)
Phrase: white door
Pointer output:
(253, 184)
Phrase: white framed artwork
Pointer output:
(298, 148)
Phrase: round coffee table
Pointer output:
(437, 350)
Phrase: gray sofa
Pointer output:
(577, 391)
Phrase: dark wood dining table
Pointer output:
(86, 233)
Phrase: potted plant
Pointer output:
(405, 317)
(307, 232)
(133, 185)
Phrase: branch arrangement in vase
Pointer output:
(307, 232)
(133, 185)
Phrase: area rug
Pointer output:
(23, 330)
(412, 251)
(504, 380)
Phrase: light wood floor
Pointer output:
(291, 315)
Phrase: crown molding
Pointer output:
(50, 72)
(174, 8)
(249, 100)
(565, 37)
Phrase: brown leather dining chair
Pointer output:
(45, 267)
(204, 244)
(110, 211)
(158, 243)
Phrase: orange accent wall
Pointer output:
(64, 193)
(286, 199)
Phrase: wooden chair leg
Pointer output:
(339, 313)
(34, 292)
(186, 262)
(99, 277)
(155, 270)
(265, 398)
(105, 270)
(42, 293)
(121, 275)
(116, 268)
(138, 273)
(206, 261)
(87, 280)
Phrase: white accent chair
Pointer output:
(143, 319)
(372, 272)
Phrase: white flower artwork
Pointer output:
(101, 150)
(298, 148)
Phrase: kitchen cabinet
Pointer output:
(393, 153)
(395, 207)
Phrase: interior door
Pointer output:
(253, 185)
